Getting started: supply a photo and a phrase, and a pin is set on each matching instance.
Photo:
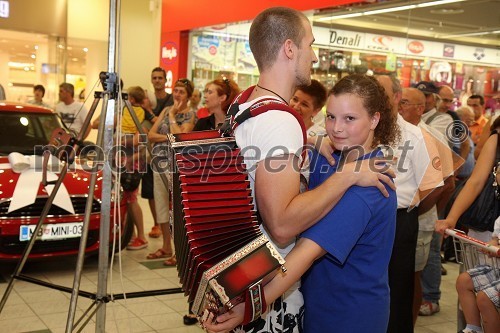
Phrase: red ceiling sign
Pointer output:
(184, 15)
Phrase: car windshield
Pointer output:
(21, 132)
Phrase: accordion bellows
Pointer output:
(220, 249)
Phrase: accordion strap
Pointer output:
(232, 121)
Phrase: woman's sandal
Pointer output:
(159, 254)
(172, 261)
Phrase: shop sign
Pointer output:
(479, 53)
(4, 9)
(169, 53)
(415, 47)
(207, 41)
(379, 43)
(448, 50)
(343, 39)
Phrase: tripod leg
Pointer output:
(88, 212)
(32, 240)
(103, 264)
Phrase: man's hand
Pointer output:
(442, 225)
(371, 172)
(225, 322)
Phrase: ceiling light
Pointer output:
(447, 11)
(19, 65)
(469, 34)
(338, 17)
(33, 56)
(388, 10)
(85, 49)
(436, 3)
(36, 47)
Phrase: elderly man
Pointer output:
(412, 112)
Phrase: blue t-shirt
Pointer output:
(347, 290)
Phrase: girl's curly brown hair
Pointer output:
(375, 99)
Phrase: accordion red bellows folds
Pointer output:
(221, 252)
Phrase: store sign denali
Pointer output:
(337, 38)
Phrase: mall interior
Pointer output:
(451, 42)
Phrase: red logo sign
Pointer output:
(382, 40)
(169, 53)
(212, 50)
(415, 47)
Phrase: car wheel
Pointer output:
(127, 232)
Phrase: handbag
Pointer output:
(483, 212)
(130, 180)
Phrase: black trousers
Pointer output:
(402, 272)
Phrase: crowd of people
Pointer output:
(364, 235)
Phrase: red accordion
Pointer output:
(220, 249)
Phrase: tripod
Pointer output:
(104, 139)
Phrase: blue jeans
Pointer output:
(431, 275)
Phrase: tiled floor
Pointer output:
(33, 308)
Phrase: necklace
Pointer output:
(261, 87)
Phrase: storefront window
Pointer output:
(223, 51)
(454, 43)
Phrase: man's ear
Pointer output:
(289, 48)
(397, 98)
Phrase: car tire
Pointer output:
(127, 233)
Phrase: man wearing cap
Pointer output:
(431, 275)
(443, 122)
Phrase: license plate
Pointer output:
(52, 231)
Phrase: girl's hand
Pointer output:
(225, 322)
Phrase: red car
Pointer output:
(22, 196)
